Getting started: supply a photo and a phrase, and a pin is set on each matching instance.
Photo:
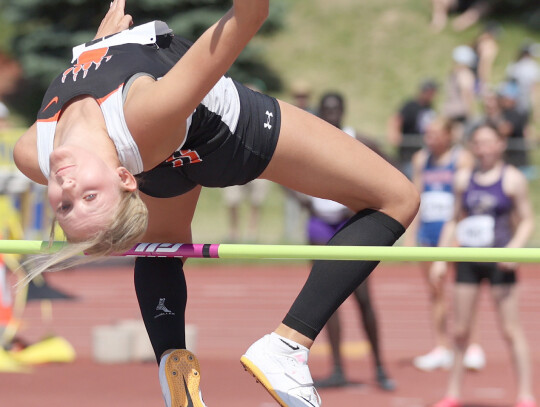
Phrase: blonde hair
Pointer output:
(126, 229)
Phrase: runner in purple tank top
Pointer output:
(492, 209)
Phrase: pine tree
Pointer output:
(44, 32)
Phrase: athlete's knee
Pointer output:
(403, 203)
(461, 336)
(510, 332)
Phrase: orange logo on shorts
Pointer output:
(85, 62)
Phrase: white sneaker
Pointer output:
(474, 358)
(438, 358)
(179, 376)
(280, 365)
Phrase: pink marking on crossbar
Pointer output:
(172, 250)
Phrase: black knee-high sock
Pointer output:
(332, 281)
(161, 290)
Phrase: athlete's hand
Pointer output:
(115, 20)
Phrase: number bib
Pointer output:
(436, 206)
(476, 231)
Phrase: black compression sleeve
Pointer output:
(332, 281)
(161, 290)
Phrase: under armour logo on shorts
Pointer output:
(269, 116)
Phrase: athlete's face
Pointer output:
(331, 111)
(488, 147)
(83, 191)
(437, 139)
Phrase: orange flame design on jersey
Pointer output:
(85, 62)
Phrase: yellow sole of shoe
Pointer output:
(261, 378)
(183, 375)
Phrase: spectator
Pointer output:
(326, 218)
(434, 168)
(406, 127)
(4, 116)
(470, 12)
(486, 48)
(459, 98)
(301, 93)
(492, 209)
(513, 126)
(500, 111)
(255, 193)
(525, 72)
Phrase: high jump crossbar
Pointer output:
(300, 252)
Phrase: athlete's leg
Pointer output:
(319, 236)
(162, 294)
(465, 300)
(317, 159)
(337, 376)
(161, 280)
(439, 13)
(506, 300)
(439, 311)
(441, 355)
(369, 321)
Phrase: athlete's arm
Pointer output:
(465, 160)
(156, 111)
(515, 185)
(26, 157)
(25, 151)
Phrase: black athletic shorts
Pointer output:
(474, 273)
(226, 158)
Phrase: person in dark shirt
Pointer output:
(514, 126)
(407, 126)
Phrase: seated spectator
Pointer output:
(470, 11)
(254, 193)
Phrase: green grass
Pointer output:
(375, 52)
(211, 222)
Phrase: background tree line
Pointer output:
(43, 33)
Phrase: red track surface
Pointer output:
(232, 306)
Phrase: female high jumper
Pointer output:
(130, 132)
